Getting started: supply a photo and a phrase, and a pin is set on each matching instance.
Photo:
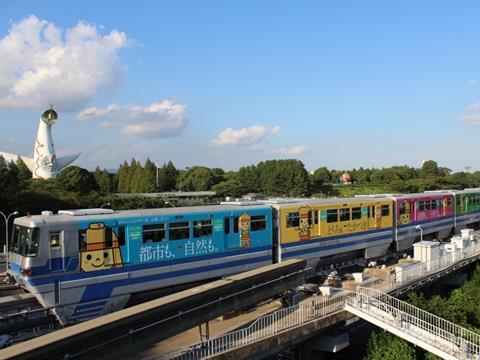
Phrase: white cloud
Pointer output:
(160, 119)
(43, 64)
(289, 151)
(472, 82)
(470, 119)
(248, 136)
(473, 107)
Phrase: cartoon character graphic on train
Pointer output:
(244, 224)
(304, 224)
(99, 249)
(68, 259)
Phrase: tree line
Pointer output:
(76, 186)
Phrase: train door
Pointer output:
(375, 216)
(405, 213)
(230, 230)
(57, 252)
(276, 247)
(461, 204)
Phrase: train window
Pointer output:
(428, 205)
(403, 208)
(385, 210)
(82, 240)
(258, 223)
(421, 205)
(332, 215)
(25, 240)
(226, 227)
(356, 213)
(121, 235)
(235, 225)
(108, 237)
(449, 203)
(153, 233)
(202, 228)
(345, 214)
(459, 202)
(179, 230)
(55, 239)
(293, 219)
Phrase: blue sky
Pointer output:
(340, 84)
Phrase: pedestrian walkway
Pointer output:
(373, 304)
(430, 332)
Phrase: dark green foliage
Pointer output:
(76, 179)
(230, 188)
(171, 176)
(429, 168)
(122, 182)
(135, 174)
(148, 182)
(103, 180)
(385, 346)
(282, 178)
(197, 178)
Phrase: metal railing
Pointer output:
(427, 327)
(414, 271)
(410, 320)
(263, 328)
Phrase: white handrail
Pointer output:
(456, 339)
(447, 336)
(413, 271)
(262, 328)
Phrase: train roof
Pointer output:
(105, 214)
(280, 203)
(406, 196)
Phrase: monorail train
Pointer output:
(86, 263)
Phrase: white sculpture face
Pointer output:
(48, 163)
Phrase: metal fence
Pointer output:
(418, 322)
(428, 328)
(263, 328)
(414, 271)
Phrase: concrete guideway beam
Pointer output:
(165, 316)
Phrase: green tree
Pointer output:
(136, 175)
(162, 179)
(429, 168)
(24, 173)
(149, 179)
(230, 187)
(103, 180)
(283, 177)
(249, 177)
(76, 179)
(321, 177)
(197, 178)
(385, 346)
(122, 178)
(171, 176)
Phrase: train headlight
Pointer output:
(26, 272)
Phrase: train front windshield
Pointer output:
(24, 240)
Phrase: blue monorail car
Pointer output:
(86, 263)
